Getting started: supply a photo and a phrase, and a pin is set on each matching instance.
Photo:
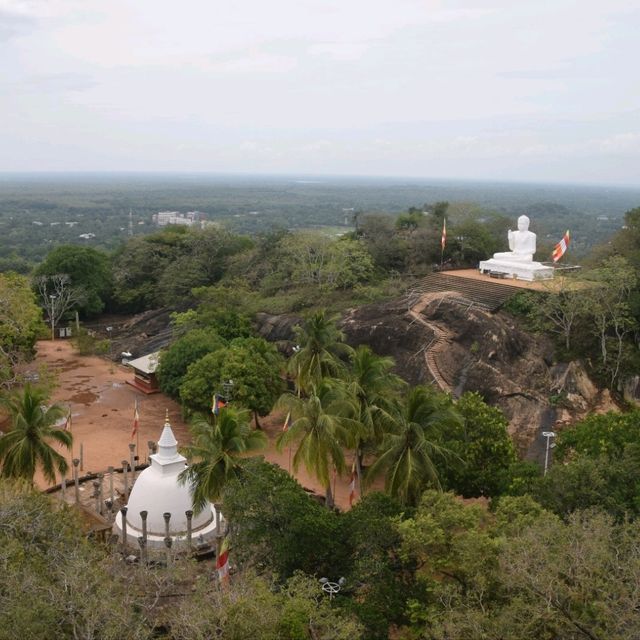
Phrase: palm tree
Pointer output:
(214, 454)
(25, 448)
(374, 388)
(320, 345)
(320, 427)
(408, 450)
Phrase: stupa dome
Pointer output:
(157, 491)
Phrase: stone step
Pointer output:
(488, 295)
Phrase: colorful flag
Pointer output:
(443, 240)
(287, 422)
(222, 562)
(560, 249)
(218, 403)
(352, 486)
(136, 420)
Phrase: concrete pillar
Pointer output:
(100, 491)
(96, 495)
(143, 517)
(125, 476)
(123, 512)
(189, 515)
(132, 456)
(110, 470)
(167, 517)
(143, 550)
(76, 480)
(167, 543)
(81, 456)
(216, 511)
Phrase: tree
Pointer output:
(373, 387)
(599, 434)
(20, 321)
(186, 350)
(380, 580)
(483, 451)
(58, 296)
(562, 307)
(608, 303)
(313, 258)
(277, 527)
(25, 447)
(407, 454)
(88, 270)
(320, 429)
(214, 454)
(320, 345)
(255, 367)
(57, 584)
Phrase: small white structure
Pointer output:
(518, 263)
(158, 491)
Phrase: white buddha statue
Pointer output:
(518, 263)
(521, 242)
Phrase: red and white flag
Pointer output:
(560, 249)
(352, 486)
(136, 420)
(443, 240)
(222, 562)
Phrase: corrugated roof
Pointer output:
(146, 364)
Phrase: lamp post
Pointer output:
(548, 435)
(227, 389)
(52, 298)
(109, 330)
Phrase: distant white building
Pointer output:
(189, 219)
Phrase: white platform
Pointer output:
(529, 271)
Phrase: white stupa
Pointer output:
(158, 491)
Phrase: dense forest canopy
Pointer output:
(41, 211)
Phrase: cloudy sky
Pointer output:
(502, 89)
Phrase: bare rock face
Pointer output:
(461, 347)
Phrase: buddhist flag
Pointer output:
(560, 249)
(218, 403)
(287, 422)
(136, 420)
(222, 562)
(352, 486)
(443, 240)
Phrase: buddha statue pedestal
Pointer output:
(520, 270)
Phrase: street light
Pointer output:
(52, 297)
(548, 435)
(109, 330)
(227, 389)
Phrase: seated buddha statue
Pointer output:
(521, 242)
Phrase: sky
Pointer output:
(545, 90)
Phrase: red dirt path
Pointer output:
(102, 404)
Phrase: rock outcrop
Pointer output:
(462, 347)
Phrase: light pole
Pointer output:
(548, 435)
(227, 389)
(109, 330)
(52, 298)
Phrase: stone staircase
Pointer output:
(485, 294)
